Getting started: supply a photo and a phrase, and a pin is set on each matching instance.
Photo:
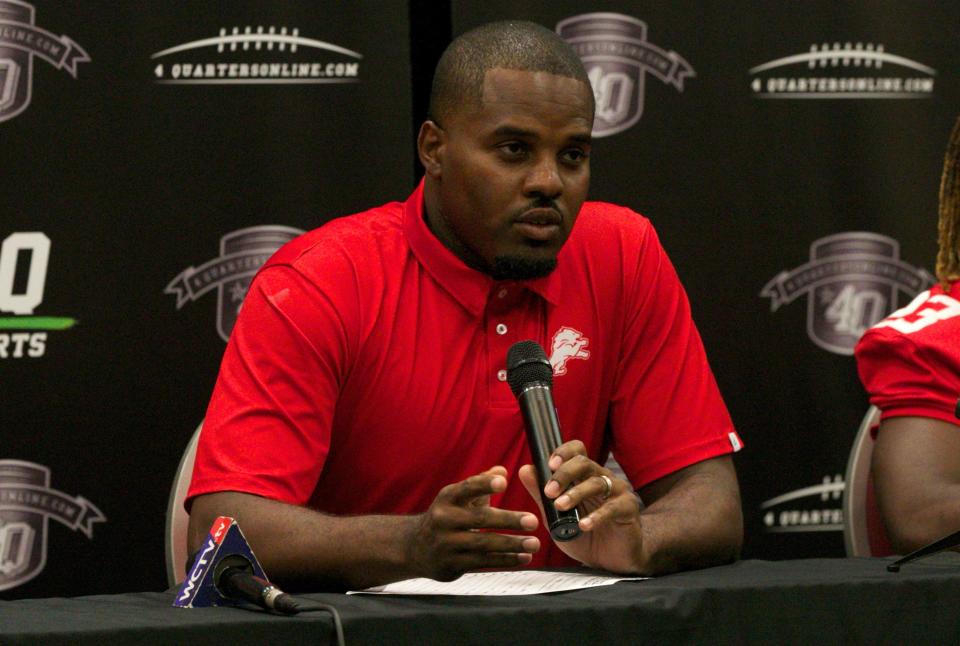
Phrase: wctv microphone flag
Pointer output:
(225, 540)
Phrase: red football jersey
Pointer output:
(910, 361)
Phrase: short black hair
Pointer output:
(508, 44)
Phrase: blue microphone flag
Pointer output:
(225, 541)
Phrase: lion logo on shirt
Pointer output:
(567, 344)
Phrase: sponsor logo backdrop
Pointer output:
(153, 155)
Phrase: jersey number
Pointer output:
(923, 311)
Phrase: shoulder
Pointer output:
(605, 219)
(350, 242)
(920, 336)
(931, 318)
(909, 362)
(609, 234)
(616, 252)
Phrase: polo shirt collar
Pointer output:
(471, 288)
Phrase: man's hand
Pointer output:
(611, 537)
(304, 549)
(692, 516)
(447, 539)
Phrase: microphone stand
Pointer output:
(945, 543)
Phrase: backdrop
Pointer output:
(154, 154)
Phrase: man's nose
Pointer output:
(544, 179)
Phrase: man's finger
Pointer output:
(483, 484)
(495, 518)
(565, 452)
(497, 560)
(593, 487)
(528, 478)
(623, 509)
(576, 469)
(491, 542)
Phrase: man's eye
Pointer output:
(513, 149)
(575, 155)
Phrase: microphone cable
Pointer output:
(316, 606)
(235, 580)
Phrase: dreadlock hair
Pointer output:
(948, 260)
(509, 44)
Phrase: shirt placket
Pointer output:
(510, 316)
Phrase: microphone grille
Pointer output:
(527, 363)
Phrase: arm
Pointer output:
(692, 517)
(300, 548)
(916, 475)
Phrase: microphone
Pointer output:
(530, 376)
(225, 572)
(234, 579)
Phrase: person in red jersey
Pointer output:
(361, 430)
(910, 365)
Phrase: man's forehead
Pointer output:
(502, 85)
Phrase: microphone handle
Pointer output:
(238, 583)
(543, 436)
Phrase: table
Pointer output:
(803, 601)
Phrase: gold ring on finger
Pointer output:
(607, 486)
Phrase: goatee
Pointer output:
(520, 268)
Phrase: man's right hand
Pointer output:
(303, 549)
(448, 539)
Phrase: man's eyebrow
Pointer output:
(514, 131)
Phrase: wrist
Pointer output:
(409, 555)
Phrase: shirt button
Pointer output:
(501, 329)
(502, 375)
(502, 293)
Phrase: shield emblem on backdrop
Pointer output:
(260, 241)
(607, 45)
(23, 529)
(16, 65)
(839, 311)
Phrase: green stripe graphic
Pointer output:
(36, 323)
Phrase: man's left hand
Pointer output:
(611, 537)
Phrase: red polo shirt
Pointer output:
(367, 368)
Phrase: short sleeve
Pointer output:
(906, 379)
(268, 425)
(666, 411)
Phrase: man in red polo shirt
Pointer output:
(361, 430)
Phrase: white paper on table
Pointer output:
(500, 583)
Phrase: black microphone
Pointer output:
(530, 376)
(234, 578)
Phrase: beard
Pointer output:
(521, 268)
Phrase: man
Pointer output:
(910, 365)
(361, 430)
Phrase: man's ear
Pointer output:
(430, 147)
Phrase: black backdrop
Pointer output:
(796, 126)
